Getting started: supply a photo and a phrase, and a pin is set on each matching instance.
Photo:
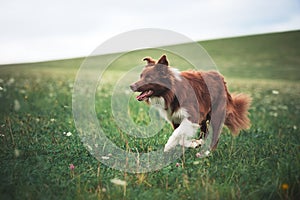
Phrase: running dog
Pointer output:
(191, 100)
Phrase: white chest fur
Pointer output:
(175, 117)
(186, 129)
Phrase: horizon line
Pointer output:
(204, 40)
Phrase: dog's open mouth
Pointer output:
(144, 95)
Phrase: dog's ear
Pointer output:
(163, 60)
(162, 65)
(150, 61)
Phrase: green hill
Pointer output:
(268, 56)
(271, 56)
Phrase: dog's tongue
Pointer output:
(144, 95)
(141, 97)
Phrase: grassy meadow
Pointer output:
(42, 156)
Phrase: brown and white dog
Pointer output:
(190, 100)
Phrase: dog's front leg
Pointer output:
(173, 140)
(182, 135)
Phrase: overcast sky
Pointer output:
(36, 30)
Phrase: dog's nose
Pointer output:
(133, 87)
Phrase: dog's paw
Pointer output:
(202, 154)
(196, 143)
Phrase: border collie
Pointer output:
(191, 100)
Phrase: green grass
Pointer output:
(36, 154)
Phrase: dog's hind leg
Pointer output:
(217, 119)
(204, 127)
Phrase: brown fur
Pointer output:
(237, 111)
(203, 94)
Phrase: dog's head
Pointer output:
(155, 79)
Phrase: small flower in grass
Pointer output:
(52, 120)
(17, 152)
(17, 105)
(105, 157)
(275, 92)
(72, 167)
(207, 152)
(177, 165)
(274, 114)
(285, 186)
(202, 154)
(22, 91)
(1, 88)
(196, 162)
(10, 81)
(68, 134)
(117, 181)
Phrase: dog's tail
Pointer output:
(237, 112)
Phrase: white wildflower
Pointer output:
(10, 81)
(52, 120)
(22, 91)
(295, 127)
(105, 157)
(275, 92)
(89, 147)
(118, 182)
(17, 153)
(196, 162)
(207, 153)
(68, 134)
(17, 105)
(274, 114)
(1, 88)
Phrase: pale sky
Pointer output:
(36, 30)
